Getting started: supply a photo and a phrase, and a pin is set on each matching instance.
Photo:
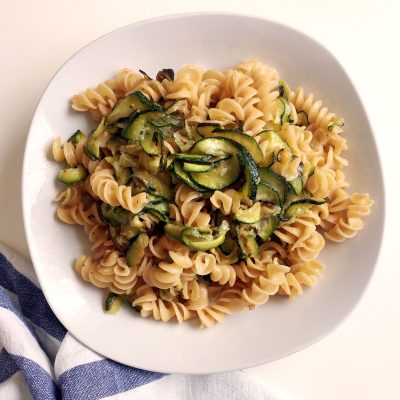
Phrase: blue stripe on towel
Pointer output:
(8, 367)
(6, 302)
(102, 378)
(31, 299)
(40, 383)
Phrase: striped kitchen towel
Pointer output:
(39, 359)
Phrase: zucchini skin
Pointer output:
(69, 176)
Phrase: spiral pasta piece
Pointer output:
(301, 274)
(107, 189)
(227, 201)
(110, 272)
(318, 116)
(229, 301)
(101, 99)
(266, 285)
(80, 215)
(191, 210)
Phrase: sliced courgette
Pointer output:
(77, 137)
(275, 181)
(136, 252)
(245, 140)
(250, 215)
(247, 241)
(159, 185)
(129, 231)
(308, 170)
(274, 145)
(115, 143)
(134, 101)
(228, 246)
(267, 194)
(249, 188)
(205, 128)
(174, 231)
(284, 90)
(196, 240)
(97, 139)
(225, 172)
(297, 205)
(337, 122)
(194, 158)
(185, 177)
(266, 227)
(113, 303)
(296, 185)
(152, 143)
(178, 105)
(72, 175)
(283, 110)
(140, 124)
(121, 243)
(302, 119)
(115, 216)
(190, 167)
(159, 210)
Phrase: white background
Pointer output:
(361, 359)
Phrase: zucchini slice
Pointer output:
(140, 124)
(266, 227)
(283, 110)
(225, 172)
(296, 185)
(336, 122)
(249, 188)
(77, 137)
(228, 246)
(159, 210)
(121, 243)
(190, 167)
(135, 101)
(152, 143)
(275, 181)
(196, 240)
(185, 177)
(302, 119)
(274, 144)
(159, 185)
(267, 194)
(245, 140)
(284, 90)
(136, 251)
(247, 242)
(205, 128)
(98, 138)
(250, 215)
(308, 170)
(115, 216)
(113, 303)
(296, 205)
(174, 231)
(178, 105)
(72, 175)
(194, 158)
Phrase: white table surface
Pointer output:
(360, 359)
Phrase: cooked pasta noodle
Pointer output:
(205, 192)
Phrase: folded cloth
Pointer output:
(39, 359)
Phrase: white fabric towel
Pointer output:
(39, 359)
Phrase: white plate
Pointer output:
(243, 340)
